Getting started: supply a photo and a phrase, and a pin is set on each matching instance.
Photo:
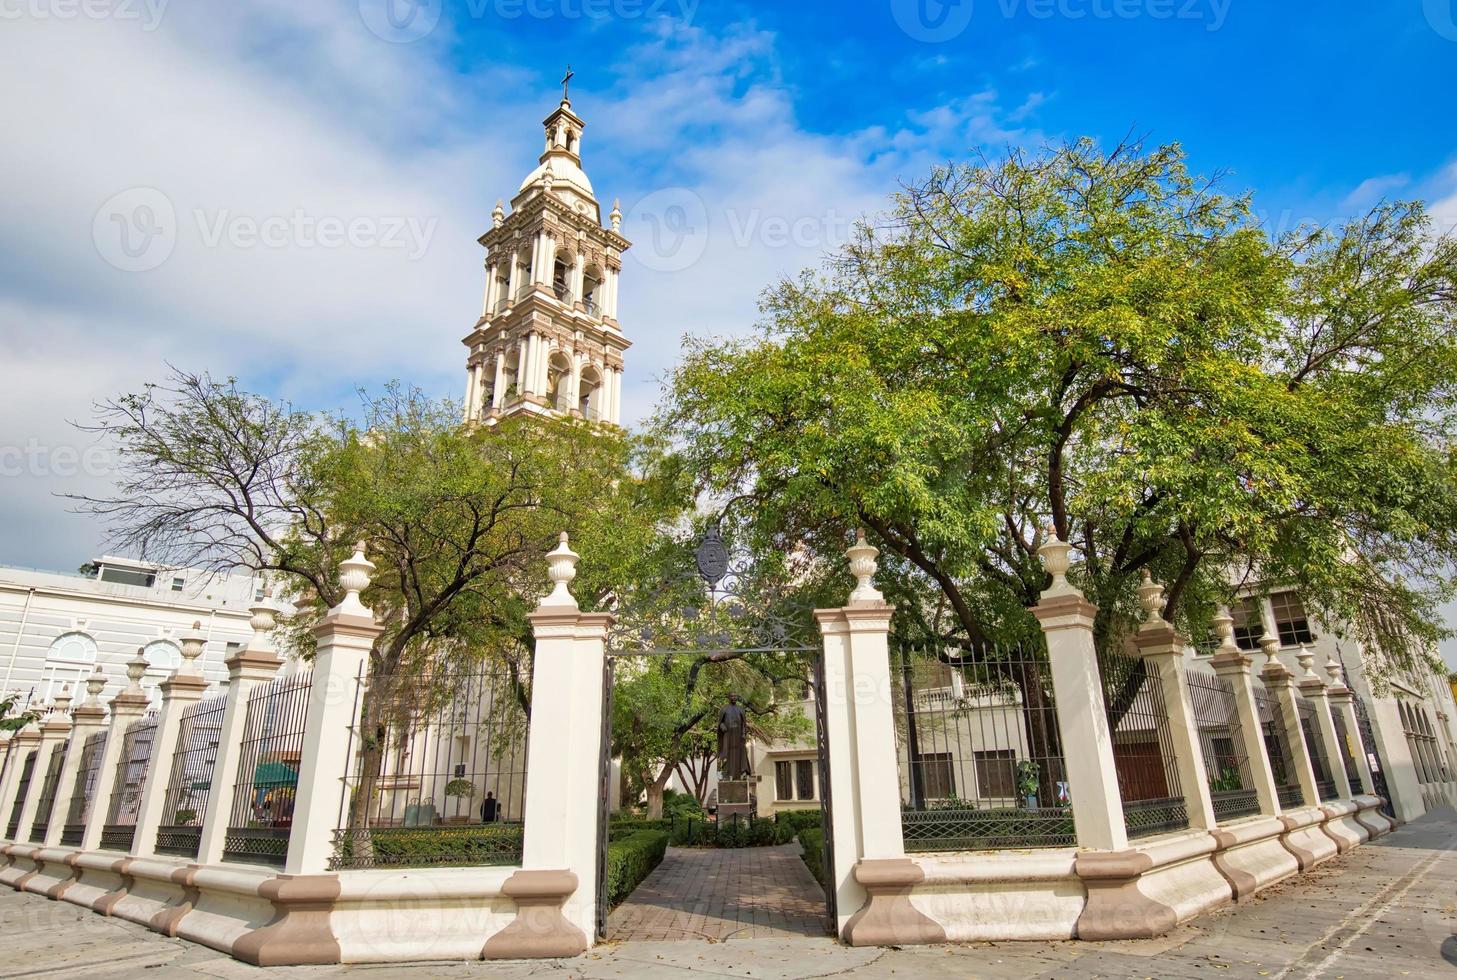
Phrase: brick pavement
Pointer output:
(722, 893)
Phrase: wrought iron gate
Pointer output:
(720, 608)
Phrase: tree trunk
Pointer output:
(655, 793)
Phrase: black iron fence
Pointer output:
(1325, 783)
(189, 782)
(980, 752)
(41, 825)
(1373, 754)
(132, 764)
(83, 790)
(1277, 747)
(1347, 750)
(22, 790)
(1221, 741)
(261, 818)
(1143, 748)
(437, 770)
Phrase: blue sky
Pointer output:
(756, 134)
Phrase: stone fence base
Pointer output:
(1137, 893)
(270, 919)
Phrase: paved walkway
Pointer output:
(1383, 912)
(719, 894)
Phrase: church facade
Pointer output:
(548, 341)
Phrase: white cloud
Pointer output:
(246, 116)
(1373, 189)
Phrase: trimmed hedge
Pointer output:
(631, 859)
(812, 839)
(436, 847)
(799, 819)
(620, 827)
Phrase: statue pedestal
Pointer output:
(737, 797)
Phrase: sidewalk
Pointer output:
(1387, 910)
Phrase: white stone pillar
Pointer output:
(498, 393)
(579, 279)
(533, 360)
(489, 305)
(1162, 649)
(577, 361)
(546, 256)
(610, 310)
(1232, 666)
(55, 729)
(87, 719)
(1082, 717)
(523, 347)
(565, 740)
(472, 391)
(1343, 701)
(251, 666)
(22, 744)
(179, 692)
(345, 637)
(860, 728)
(617, 396)
(1280, 683)
(1313, 688)
(513, 281)
(126, 708)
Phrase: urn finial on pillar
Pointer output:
(1306, 658)
(136, 668)
(355, 574)
(1055, 560)
(193, 642)
(95, 684)
(1151, 597)
(1270, 647)
(561, 569)
(862, 555)
(62, 705)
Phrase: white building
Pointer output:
(55, 627)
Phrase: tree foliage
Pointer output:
(1106, 344)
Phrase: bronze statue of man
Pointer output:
(733, 752)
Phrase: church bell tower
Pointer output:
(548, 341)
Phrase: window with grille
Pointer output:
(804, 778)
(1248, 625)
(937, 776)
(995, 775)
(783, 781)
(1290, 619)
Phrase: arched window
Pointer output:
(68, 661)
(162, 656)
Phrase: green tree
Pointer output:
(1105, 344)
(12, 720)
(457, 519)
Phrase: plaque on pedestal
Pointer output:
(737, 797)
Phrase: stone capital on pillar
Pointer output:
(345, 637)
(1162, 649)
(1067, 619)
(1232, 666)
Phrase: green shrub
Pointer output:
(812, 839)
(620, 827)
(681, 805)
(433, 847)
(631, 859)
(799, 819)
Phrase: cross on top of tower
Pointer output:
(567, 85)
